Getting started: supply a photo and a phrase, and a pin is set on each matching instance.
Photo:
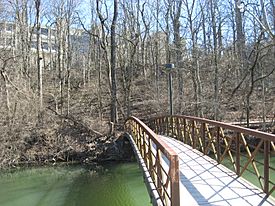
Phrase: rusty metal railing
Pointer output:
(241, 149)
(161, 161)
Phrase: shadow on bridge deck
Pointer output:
(205, 182)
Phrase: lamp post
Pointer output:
(169, 68)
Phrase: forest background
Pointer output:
(74, 70)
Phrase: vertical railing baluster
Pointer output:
(161, 125)
(238, 153)
(144, 147)
(139, 138)
(159, 172)
(135, 131)
(184, 131)
(218, 145)
(156, 125)
(178, 135)
(203, 138)
(172, 126)
(193, 134)
(150, 156)
(168, 126)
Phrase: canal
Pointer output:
(110, 184)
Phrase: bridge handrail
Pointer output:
(144, 137)
(260, 134)
(223, 140)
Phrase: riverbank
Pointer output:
(57, 138)
(60, 139)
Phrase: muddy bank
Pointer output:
(63, 140)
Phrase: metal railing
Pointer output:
(241, 149)
(161, 161)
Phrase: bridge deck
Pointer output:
(205, 182)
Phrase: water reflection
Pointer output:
(116, 185)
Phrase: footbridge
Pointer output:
(194, 161)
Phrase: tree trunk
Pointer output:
(59, 62)
(99, 83)
(113, 66)
(38, 57)
(204, 28)
(157, 70)
(178, 53)
(263, 101)
(68, 64)
(215, 54)
(6, 94)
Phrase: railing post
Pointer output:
(238, 153)
(162, 125)
(158, 123)
(138, 138)
(178, 135)
(169, 120)
(143, 147)
(159, 172)
(172, 126)
(184, 131)
(266, 166)
(154, 126)
(134, 131)
(166, 126)
(174, 174)
(193, 134)
(150, 155)
(203, 138)
(218, 146)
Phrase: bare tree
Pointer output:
(38, 56)
(113, 65)
(213, 9)
(193, 24)
(175, 14)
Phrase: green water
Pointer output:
(250, 173)
(108, 185)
